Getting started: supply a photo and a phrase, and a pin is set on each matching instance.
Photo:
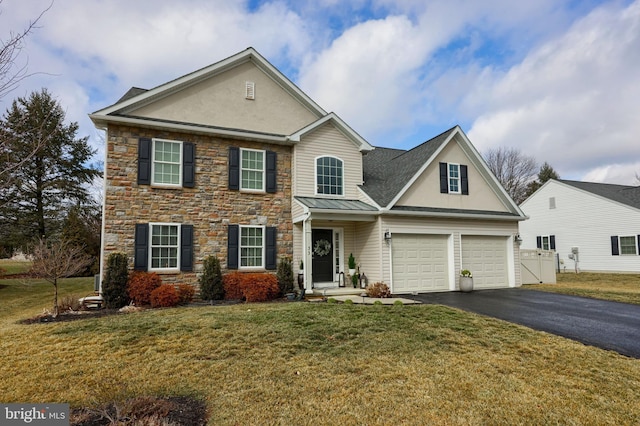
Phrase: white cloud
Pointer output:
(572, 101)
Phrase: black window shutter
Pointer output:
(188, 165)
(144, 161)
(270, 248)
(464, 180)
(552, 242)
(444, 178)
(141, 247)
(539, 242)
(615, 251)
(271, 172)
(234, 168)
(233, 239)
(186, 248)
(638, 244)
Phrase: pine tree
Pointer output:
(211, 286)
(45, 169)
(546, 173)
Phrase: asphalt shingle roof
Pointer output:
(387, 171)
(624, 194)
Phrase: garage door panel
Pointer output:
(486, 258)
(419, 263)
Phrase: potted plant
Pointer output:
(301, 274)
(466, 281)
(352, 264)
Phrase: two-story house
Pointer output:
(234, 160)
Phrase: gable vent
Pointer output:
(250, 90)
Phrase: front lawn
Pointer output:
(314, 363)
(616, 287)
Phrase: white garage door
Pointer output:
(486, 258)
(419, 263)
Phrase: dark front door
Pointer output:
(322, 254)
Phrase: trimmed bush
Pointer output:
(378, 289)
(141, 284)
(331, 300)
(185, 293)
(377, 303)
(285, 276)
(114, 285)
(211, 286)
(252, 287)
(398, 303)
(164, 296)
(348, 302)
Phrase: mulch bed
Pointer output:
(70, 316)
(150, 411)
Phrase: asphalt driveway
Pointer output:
(607, 325)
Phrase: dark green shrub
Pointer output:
(114, 286)
(141, 284)
(165, 296)
(211, 286)
(285, 276)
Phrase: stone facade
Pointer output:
(210, 206)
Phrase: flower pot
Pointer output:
(466, 284)
(352, 271)
(291, 296)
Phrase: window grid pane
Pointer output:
(251, 247)
(166, 162)
(329, 176)
(628, 245)
(252, 170)
(164, 246)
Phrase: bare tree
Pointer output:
(53, 261)
(513, 169)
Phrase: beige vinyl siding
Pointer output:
(425, 191)
(326, 140)
(369, 244)
(221, 101)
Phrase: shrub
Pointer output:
(252, 287)
(348, 302)
(141, 284)
(377, 303)
(185, 293)
(331, 300)
(285, 276)
(164, 296)
(69, 303)
(398, 303)
(378, 289)
(114, 286)
(211, 286)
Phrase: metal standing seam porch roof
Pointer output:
(336, 205)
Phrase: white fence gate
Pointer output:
(538, 266)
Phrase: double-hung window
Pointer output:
(164, 247)
(329, 176)
(167, 163)
(628, 245)
(454, 178)
(252, 170)
(251, 247)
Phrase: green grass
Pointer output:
(314, 363)
(9, 267)
(615, 287)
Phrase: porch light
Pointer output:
(387, 235)
(518, 239)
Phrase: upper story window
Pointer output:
(252, 170)
(167, 163)
(454, 178)
(329, 176)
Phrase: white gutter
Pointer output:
(453, 215)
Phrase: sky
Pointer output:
(559, 80)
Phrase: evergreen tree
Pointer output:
(114, 285)
(211, 286)
(546, 173)
(47, 169)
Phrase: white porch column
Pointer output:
(306, 253)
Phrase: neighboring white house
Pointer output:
(600, 221)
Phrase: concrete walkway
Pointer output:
(366, 300)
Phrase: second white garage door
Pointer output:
(486, 258)
(419, 263)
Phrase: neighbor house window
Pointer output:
(545, 242)
(454, 178)
(251, 247)
(167, 163)
(628, 245)
(164, 246)
(329, 176)
(252, 170)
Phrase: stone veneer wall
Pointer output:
(209, 206)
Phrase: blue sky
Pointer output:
(555, 79)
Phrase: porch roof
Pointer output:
(338, 205)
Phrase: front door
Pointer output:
(322, 255)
